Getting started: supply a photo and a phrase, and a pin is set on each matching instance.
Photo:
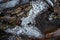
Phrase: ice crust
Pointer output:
(30, 30)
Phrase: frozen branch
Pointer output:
(38, 7)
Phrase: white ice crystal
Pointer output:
(17, 30)
(12, 3)
(30, 30)
(38, 7)
(9, 4)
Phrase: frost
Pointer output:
(30, 30)
(38, 7)
(17, 30)
(12, 3)
(9, 4)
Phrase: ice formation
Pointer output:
(12, 3)
(30, 30)
(38, 7)
(9, 4)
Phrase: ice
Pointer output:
(9, 4)
(37, 9)
(30, 30)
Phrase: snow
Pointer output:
(9, 4)
(37, 9)
(12, 3)
(30, 30)
(16, 31)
